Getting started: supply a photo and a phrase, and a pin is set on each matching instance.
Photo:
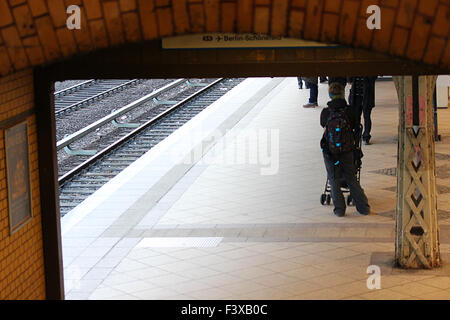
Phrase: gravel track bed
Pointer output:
(82, 117)
(75, 120)
(66, 84)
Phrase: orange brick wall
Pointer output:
(33, 32)
(21, 253)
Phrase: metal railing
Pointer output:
(76, 87)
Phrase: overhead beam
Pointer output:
(149, 60)
(49, 188)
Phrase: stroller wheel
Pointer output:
(323, 198)
(349, 200)
(328, 199)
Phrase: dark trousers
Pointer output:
(313, 91)
(300, 82)
(363, 102)
(365, 111)
(342, 167)
(367, 122)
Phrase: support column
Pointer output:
(48, 178)
(417, 234)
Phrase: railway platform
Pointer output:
(228, 207)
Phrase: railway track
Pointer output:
(104, 131)
(86, 92)
(83, 180)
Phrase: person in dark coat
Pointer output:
(362, 99)
(341, 165)
(341, 80)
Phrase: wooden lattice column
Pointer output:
(417, 234)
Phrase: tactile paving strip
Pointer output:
(442, 172)
(179, 242)
(387, 171)
(442, 156)
(442, 214)
(440, 189)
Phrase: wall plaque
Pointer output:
(18, 175)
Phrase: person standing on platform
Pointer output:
(362, 99)
(312, 85)
(300, 82)
(341, 80)
(368, 105)
(338, 146)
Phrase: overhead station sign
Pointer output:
(234, 40)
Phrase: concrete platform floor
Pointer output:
(253, 227)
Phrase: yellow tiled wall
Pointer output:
(21, 252)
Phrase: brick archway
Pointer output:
(34, 32)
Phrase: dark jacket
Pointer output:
(341, 80)
(312, 80)
(336, 104)
(367, 85)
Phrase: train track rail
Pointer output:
(86, 92)
(73, 88)
(80, 145)
(83, 180)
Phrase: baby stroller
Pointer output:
(325, 197)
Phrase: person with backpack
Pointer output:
(338, 145)
(341, 80)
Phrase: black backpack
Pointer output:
(339, 134)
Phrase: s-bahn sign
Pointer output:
(18, 177)
(234, 40)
